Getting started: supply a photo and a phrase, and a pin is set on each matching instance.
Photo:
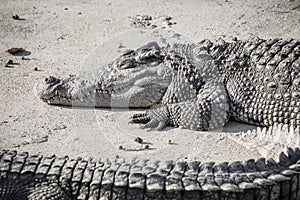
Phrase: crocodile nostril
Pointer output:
(51, 79)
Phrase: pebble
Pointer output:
(147, 21)
(16, 17)
(15, 50)
(59, 127)
(8, 63)
(25, 143)
(41, 139)
(138, 140)
(4, 122)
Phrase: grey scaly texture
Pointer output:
(35, 177)
(194, 86)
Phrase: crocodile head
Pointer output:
(137, 78)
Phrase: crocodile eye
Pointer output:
(126, 63)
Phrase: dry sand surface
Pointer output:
(73, 37)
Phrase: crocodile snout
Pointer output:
(51, 80)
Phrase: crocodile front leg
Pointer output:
(209, 110)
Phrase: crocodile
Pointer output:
(196, 86)
(25, 176)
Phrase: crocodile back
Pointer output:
(263, 81)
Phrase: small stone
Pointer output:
(66, 9)
(41, 139)
(16, 17)
(166, 18)
(9, 62)
(121, 147)
(121, 46)
(16, 145)
(146, 146)
(168, 23)
(36, 69)
(4, 122)
(147, 17)
(138, 140)
(79, 13)
(177, 35)
(59, 127)
(25, 143)
(15, 50)
(169, 141)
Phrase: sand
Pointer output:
(63, 38)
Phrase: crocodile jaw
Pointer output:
(55, 91)
(137, 78)
(136, 90)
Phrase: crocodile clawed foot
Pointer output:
(149, 119)
(140, 118)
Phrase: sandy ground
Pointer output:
(65, 38)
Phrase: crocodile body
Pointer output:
(194, 86)
(36, 177)
(197, 86)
